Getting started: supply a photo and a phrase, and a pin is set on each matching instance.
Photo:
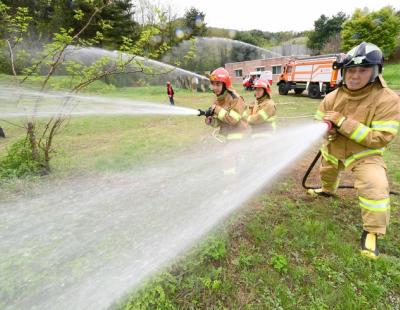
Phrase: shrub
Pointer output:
(19, 162)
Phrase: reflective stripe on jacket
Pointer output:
(261, 115)
(228, 115)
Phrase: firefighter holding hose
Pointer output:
(260, 115)
(226, 111)
(365, 114)
(225, 114)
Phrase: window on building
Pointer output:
(239, 73)
(260, 69)
(276, 69)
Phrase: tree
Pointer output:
(39, 138)
(165, 19)
(194, 21)
(381, 28)
(119, 17)
(39, 11)
(246, 37)
(325, 29)
(48, 16)
(243, 53)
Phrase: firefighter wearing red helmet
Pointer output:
(366, 115)
(260, 115)
(226, 111)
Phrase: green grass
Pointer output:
(293, 253)
(284, 251)
(392, 76)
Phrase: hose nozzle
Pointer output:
(207, 113)
(329, 123)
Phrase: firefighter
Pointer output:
(227, 109)
(365, 114)
(261, 114)
(225, 114)
(170, 93)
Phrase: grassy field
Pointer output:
(391, 74)
(284, 250)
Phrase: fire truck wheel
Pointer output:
(313, 91)
(283, 89)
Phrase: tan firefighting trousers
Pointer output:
(371, 182)
(231, 156)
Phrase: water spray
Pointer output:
(21, 102)
(83, 242)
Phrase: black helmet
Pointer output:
(365, 54)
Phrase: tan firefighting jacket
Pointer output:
(261, 115)
(373, 115)
(228, 116)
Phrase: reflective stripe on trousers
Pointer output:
(349, 160)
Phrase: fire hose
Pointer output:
(310, 168)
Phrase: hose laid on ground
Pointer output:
(310, 168)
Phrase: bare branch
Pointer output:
(58, 122)
(53, 67)
(12, 58)
(57, 62)
(97, 10)
(37, 64)
(45, 130)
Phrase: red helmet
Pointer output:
(263, 84)
(221, 75)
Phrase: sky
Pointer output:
(273, 15)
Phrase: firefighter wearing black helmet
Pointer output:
(366, 115)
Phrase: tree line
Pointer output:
(119, 21)
(341, 32)
(126, 20)
(331, 34)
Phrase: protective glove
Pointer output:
(208, 120)
(209, 112)
(335, 117)
(331, 135)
